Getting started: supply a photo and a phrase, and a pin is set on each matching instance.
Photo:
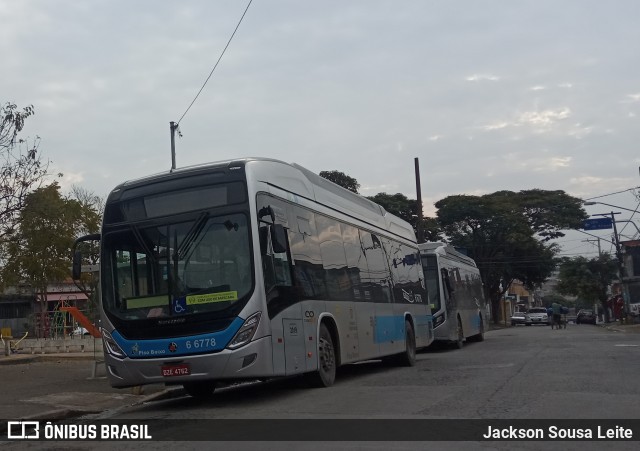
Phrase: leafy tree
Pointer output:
(91, 220)
(341, 179)
(39, 253)
(396, 204)
(21, 167)
(555, 297)
(588, 279)
(507, 234)
(400, 205)
(431, 230)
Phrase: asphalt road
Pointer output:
(61, 386)
(583, 372)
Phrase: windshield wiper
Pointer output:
(192, 234)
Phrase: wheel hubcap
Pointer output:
(326, 355)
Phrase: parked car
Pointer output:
(586, 316)
(538, 315)
(520, 318)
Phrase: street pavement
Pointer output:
(60, 386)
(71, 385)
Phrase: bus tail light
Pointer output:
(246, 332)
(111, 345)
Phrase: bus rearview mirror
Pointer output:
(76, 268)
(278, 238)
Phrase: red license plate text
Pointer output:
(182, 369)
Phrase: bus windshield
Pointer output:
(184, 268)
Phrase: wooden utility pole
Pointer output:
(420, 233)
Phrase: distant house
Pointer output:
(21, 310)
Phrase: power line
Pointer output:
(216, 65)
(611, 194)
(630, 219)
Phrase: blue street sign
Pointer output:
(597, 224)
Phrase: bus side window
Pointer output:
(446, 282)
(276, 265)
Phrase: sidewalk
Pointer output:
(627, 328)
(64, 385)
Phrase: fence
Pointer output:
(59, 345)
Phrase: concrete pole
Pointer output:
(172, 128)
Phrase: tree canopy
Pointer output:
(400, 205)
(341, 179)
(39, 253)
(21, 167)
(507, 234)
(589, 279)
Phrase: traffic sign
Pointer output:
(597, 224)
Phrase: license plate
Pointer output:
(181, 369)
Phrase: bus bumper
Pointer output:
(249, 362)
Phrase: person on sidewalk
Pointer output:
(556, 310)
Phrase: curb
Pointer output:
(66, 414)
(17, 359)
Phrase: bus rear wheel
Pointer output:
(408, 357)
(200, 389)
(480, 335)
(459, 343)
(325, 376)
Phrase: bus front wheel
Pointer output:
(326, 374)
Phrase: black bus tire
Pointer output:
(325, 376)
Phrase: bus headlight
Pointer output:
(111, 345)
(246, 332)
(438, 320)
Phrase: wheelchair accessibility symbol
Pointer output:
(180, 305)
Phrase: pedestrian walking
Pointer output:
(556, 319)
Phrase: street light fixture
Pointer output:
(609, 205)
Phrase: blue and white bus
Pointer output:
(252, 269)
(455, 293)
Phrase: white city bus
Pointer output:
(251, 269)
(455, 293)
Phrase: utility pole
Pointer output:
(173, 127)
(616, 242)
(594, 241)
(420, 234)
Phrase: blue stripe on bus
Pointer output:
(391, 328)
(172, 347)
(388, 328)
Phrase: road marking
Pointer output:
(628, 346)
(481, 367)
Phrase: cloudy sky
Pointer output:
(489, 95)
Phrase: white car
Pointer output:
(539, 315)
(520, 318)
(79, 332)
